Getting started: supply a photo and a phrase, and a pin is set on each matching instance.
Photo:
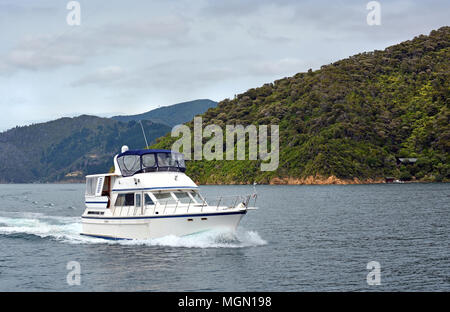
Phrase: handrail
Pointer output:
(234, 203)
(219, 203)
(244, 199)
(247, 200)
(203, 204)
(255, 196)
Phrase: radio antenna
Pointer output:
(143, 132)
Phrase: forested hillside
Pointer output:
(351, 119)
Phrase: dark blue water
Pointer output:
(303, 238)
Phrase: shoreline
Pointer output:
(311, 180)
(331, 180)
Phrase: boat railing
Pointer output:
(233, 200)
(170, 206)
(219, 203)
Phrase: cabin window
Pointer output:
(147, 200)
(197, 197)
(125, 199)
(163, 159)
(166, 160)
(183, 197)
(165, 198)
(140, 162)
(91, 185)
(148, 161)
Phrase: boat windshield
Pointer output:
(131, 164)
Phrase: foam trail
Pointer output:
(60, 228)
(67, 230)
(207, 239)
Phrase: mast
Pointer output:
(143, 132)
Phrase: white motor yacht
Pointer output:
(148, 196)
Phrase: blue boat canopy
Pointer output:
(132, 162)
(144, 152)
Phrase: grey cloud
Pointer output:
(281, 67)
(164, 51)
(104, 76)
(15, 8)
(261, 33)
(174, 75)
(186, 75)
(164, 29)
(43, 52)
(239, 8)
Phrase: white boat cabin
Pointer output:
(143, 180)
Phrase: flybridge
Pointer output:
(132, 162)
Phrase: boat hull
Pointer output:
(148, 227)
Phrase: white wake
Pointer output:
(67, 230)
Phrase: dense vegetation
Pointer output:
(352, 118)
(68, 148)
(172, 115)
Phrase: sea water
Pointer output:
(302, 238)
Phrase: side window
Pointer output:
(91, 185)
(163, 159)
(125, 199)
(148, 161)
(148, 201)
(196, 196)
(183, 197)
(165, 198)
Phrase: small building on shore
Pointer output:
(406, 161)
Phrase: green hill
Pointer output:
(350, 119)
(172, 115)
(68, 148)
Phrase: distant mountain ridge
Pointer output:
(172, 115)
(67, 149)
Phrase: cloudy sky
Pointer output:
(128, 57)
